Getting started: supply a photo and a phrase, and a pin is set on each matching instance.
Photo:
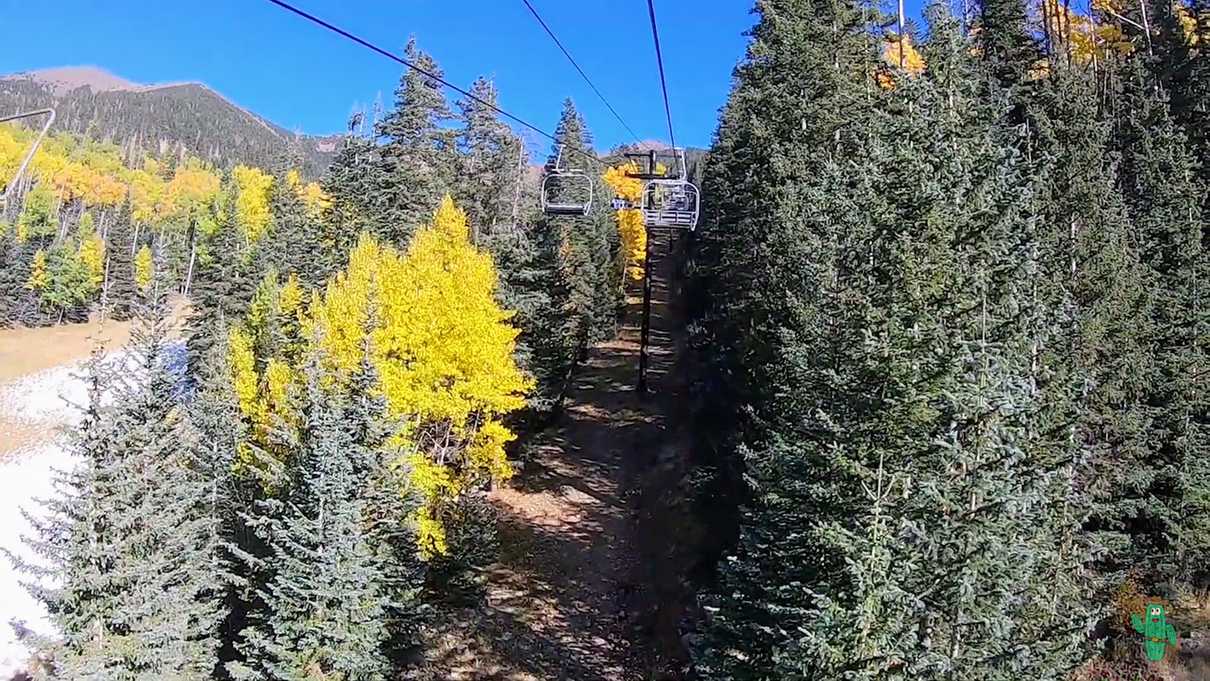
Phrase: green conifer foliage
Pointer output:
(417, 152)
(324, 602)
(490, 165)
(122, 293)
(1163, 498)
(131, 543)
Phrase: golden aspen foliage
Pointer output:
(1083, 36)
(1187, 21)
(895, 51)
(39, 278)
(443, 349)
(146, 192)
(630, 220)
(263, 353)
(144, 268)
(315, 201)
(92, 252)
(191, 194)
(252, 201)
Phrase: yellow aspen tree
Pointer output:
(264, 352)
(630, 220)
(39, 278)
(314, 199)
(252, 201)
(91, 251)
(893, 49)
(443, 349)
(144, 268)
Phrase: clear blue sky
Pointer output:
(303, 78)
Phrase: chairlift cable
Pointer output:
(659, 57)
(583, 75)
(394, 57)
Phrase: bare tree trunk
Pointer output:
(1146, 26)
(189, 273)
(902, 38)
(520, 178)
(105, 290)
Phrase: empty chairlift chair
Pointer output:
(673, 201)
(566, 190)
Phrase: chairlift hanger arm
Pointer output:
(33, 148)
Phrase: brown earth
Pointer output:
(585, 588)
(25, 351)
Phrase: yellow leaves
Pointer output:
(630, 221)
(252, 201)
(1187, 21)
(901, 53)
(92, 252)
(898, 53)
(443, 350)
(144, 268)
(313, 197)
(39, 278)
(1084, 37)
(191, 193)
(342, 314)
(440, 319)
(629, 188)
(242, 362)
(146, 193)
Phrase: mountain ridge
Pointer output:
(184, 117)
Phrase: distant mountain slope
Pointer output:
(161, 119)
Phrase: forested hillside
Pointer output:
(182, 119)
(362, 351)
(929, 394)
(951, 330)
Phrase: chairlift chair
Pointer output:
(671, 203)
(29, 155)
(560, 178)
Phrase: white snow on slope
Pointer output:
(26, 475)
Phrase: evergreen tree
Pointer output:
(299, 246)
(1005, 40)
(223, 287)
(324, 604)
(131, 543)
(352, 181)
(1163, 493)
(490, 168)
(587, 246)
(417, 153)
(390, 535)
(122, 293)
(754, 270)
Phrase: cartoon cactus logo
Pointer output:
(1157, 633)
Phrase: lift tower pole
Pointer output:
(646, 328)
(645, 333)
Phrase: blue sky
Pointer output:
(303, 78)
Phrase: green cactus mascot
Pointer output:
(1157, 633)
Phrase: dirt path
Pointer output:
(570, 597)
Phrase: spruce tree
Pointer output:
(352, 182)
(223, 287)
(322, 608)
(490, 165)
(1164, 494)
(132, 543)
(298, 240)
(123, 292)
(417, 153)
